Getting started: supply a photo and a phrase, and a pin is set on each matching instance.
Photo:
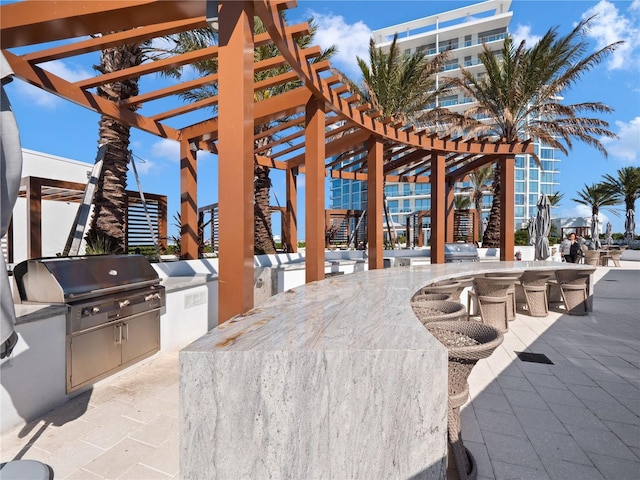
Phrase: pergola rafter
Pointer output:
(319, 129)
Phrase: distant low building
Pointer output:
(581, 226)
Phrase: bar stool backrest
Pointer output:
(492, 286)
(536, 277)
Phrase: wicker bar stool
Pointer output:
(493, 300)
(574, 286)
(464, 281)
(429, 297)
(438, 310)
(450, 287)
(466, 342)
(534, 288)
(511, 291)
(615, 256)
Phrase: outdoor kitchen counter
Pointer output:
(183, 282)
(31, 313)
(335, 376)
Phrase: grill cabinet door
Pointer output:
(141, 336)
(93, 353)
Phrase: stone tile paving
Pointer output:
(576, 419)
(126, 427)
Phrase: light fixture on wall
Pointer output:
(212, 15)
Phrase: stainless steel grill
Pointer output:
(113, 309)
(460, 252)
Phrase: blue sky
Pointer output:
(52, 125)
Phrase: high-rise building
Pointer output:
(463, 32)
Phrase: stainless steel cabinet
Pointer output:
(98, 352)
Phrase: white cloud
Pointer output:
(351, 39)
(71, 73)
(42, 98)
(627, 146)
(610, 26)
(144, 166)
(523, 32)
(167, 149)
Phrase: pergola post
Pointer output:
(235, 154)
(450, 212)
(314, 198)
(162, 223)
(34, 217)
(290, 232)
(507, 192)
(438, 207)
(188, 202)
(375, 186)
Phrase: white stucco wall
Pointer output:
(57, 216)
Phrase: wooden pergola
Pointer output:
(319, 121)
(37, 190)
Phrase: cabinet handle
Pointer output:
(118, 334)
(126, 331)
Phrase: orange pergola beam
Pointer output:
(235, 154)
(314, 194)
(290, 233)
(34, 217)
(438, 206)
(375, 186)
(507, 210)
(450, 209)
(188, 202)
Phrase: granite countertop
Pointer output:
(366, 310)
(172, 284)
(26, 313)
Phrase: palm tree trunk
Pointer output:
(263, 243)
(109, 217)
(491, 238)
(263, 234)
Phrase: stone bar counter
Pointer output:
(336, 379)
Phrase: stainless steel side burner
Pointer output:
(113, 309)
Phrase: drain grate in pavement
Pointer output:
(534, 357)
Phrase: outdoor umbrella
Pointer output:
(629, 226)
(607, 235)
(595, 236)
(532, 231)
(10, 172)
(543, 227)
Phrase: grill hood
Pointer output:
(68, 279)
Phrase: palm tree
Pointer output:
(596, 196)
(555, 198)
(461, 202)
(480, 180)
(520, 95)
(625, 189)
(188, 41)
(108, 222)
(400, 85)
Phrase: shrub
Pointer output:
(521, 237)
